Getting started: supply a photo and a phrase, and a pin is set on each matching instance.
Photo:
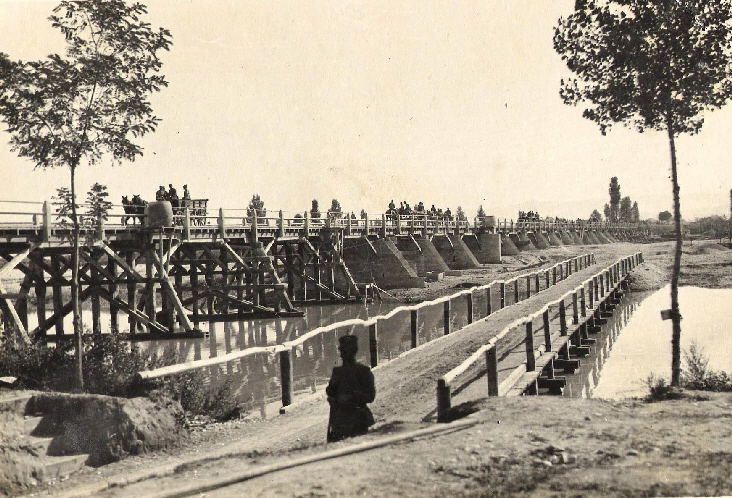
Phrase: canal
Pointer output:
(636, 342)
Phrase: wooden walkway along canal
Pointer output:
(553, 340)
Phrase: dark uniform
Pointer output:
(350, 388)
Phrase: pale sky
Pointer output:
(451, 103)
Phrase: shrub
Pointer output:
(37, 366)
(199, 397)
(110, 366)
(697, 376)
(659, 390)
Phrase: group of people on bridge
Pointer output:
(171, 195)
(419, 209)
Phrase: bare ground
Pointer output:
(539, 446)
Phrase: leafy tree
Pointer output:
(460, 214)
(608, 213)
(481, 212)
(596, 216)
(97, 209)
(89, 104)
(314, 210)
(256, 205)
(665, 216)
(634, 213)
(626, 207)
(650, 64)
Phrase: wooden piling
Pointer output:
(503, 295)
(443, 401)
(469, 297)
(131, 293)
(491, 364)
(547, 331)
(40, 289)
(516, 290)
(446, 317)
(57, 296)
(575, 309)
(374, 344)
(488, 304)
(562, 318)
(414, 329)
(530, 359)
(286, 377)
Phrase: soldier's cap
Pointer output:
(348, 341)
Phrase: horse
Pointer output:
(133, 209)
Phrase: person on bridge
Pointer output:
(350, 389)
(161, 194)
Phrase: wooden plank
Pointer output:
(121, 262)
(7, 268)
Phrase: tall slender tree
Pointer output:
(651, 65)
(614, 191)
(89, 104)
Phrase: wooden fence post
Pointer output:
(503, 295)
(443, 401)
(488, 305)
(281, 225)
(255, 228)
(374, 344)
(286, 378)
(554, 275)
(470, 307)
(583, 302)
(414, 328)
(530, 359)
(491, 364)
(222, 224)
(528, 286)
(548, 283)
(186, 223)
(575, 309)
(562, 318)
(547, 331)
(516, 290)
(446, 317)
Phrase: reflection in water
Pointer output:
(255, 378)
(621, 363)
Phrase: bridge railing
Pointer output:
(18, 214)
(595, 289)
(495, 296)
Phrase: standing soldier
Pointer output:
(351, 387)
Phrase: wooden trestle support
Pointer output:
(167, 285)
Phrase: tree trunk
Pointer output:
(675, 313)
(75, 305)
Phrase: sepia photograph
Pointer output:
(346, 248)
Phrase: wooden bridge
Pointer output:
(200, 268)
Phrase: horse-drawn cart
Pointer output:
(196, 211)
